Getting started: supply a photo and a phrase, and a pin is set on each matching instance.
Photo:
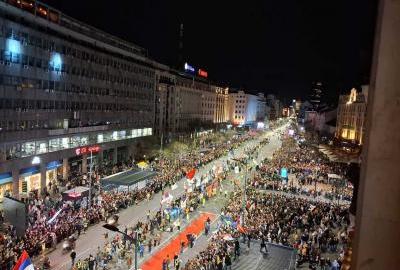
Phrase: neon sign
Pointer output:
(87, 149)
(189, 68)
(203, 73)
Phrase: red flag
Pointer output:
(190, 174)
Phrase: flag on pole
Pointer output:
(24, 263)
(55, 216)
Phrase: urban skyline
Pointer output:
(266, 47)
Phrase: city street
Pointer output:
(94, 237)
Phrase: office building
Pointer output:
(67, 90)
(245, 109)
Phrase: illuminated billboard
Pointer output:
(189, 68)
(203, 73)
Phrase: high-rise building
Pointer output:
(351, 115)
(67, 90)
(316, 94)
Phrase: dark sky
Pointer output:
(271, 46)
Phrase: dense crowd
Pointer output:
(72, 219)
(311, 170)
(316, 229)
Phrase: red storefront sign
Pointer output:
(87, 149)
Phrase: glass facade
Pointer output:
(57, 144)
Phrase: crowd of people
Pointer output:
(316, 229)
(310, 171)
(44, 232)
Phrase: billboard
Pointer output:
(189, 68)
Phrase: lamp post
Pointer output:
(90, 179)
(244, 190)
(114, 228)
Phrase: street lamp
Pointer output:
(114, 228)
(90, 179)
(244, 189)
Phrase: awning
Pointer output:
(29, 171)
(5, 178)
(53, 165)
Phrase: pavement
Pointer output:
(277, 258)
(94, 237)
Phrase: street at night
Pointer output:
(164, 135)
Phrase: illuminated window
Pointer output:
(56, 62)
(344, 133)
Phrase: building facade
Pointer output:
(165, 117)
(275, 107)
(351, 116)
(246, 109)
(67, 90)
(221, 112)
(261, 107)
(316, 94)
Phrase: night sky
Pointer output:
(275, 47)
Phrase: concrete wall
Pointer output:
(377, 238)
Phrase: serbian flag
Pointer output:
(190, 174)
(24, 263)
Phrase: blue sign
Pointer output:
(284, 173)
(53, 165)
(189, 68)
(29, 171)
(5, 178)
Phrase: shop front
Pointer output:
(6, 182)
(53, 169)
(29, 180)
(75, 165)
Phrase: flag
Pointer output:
(24, 263)
(190, 174)
(241, 229)
(55, 216)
